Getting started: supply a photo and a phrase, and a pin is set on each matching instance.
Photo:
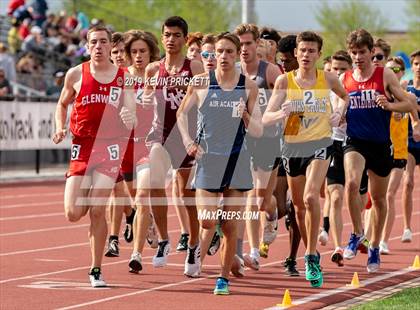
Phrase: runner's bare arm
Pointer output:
(274, 114)
(151, 74)
(251, 113)
(402, 102)
(336, 86)
(68, 94)
(197, 67)
(273, 72)
(128, 111)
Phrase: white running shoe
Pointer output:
(96, 279)
(407, 236)
(251, 262)
(238, 267)
(193, 262)
(152, 237)
(161, 257)
(383, 248)
(270, 230)
(135, 263)
(323, 237)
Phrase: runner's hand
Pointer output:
(128, 118)
(383, 102)
(286, 109)
(335, 119)
(241, 107)
(194, 150)
(59, 135)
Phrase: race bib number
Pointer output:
(75, 151)
(321, 154)
(286, 164)
(308, 97)
(114, 96)
(139, 96)
(114, 152)
(262, 97)
(235, 109)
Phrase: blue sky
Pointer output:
(298, 15)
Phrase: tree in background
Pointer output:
(205, 16)
(338, 20)
(412, 11)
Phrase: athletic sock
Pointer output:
(239, 248)
(326, 224)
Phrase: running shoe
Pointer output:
(238, 267)
(313, 270)
(95, 278)
(374, 260)
(407, 236)
(364, 246)
(193, 262)
(182, 243)
(337, 257)
(113, 248)
(351, 249)
(290, 267)
(323, 237)
(270, 230)
(128, 232)
(383, 248)
(161, 257)
(222, 286)
(214, 245)
(264, 250)
(251, 262)
(152, 237)
(135, 263)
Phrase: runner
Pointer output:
(169, 80)
(302, 98)
(194, 43)
(272, 37)
(120, 201)
(141, 48)
(263, 151)
(413, 150)
(96, 122)
(368, 138)
(326, 62)
(223, 163)
(382, 50)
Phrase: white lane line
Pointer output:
(24, 232)
(45, 249)
(327, 293)
(32, 204)
(25, 217)
(32, 195)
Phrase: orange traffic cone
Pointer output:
(355, 281)
(287, 300)
(416, 263)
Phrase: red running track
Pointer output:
(44, 262)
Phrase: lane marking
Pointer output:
(24, 232)
(25, 217)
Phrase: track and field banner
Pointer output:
(29, 126)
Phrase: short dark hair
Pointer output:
(398, 60)
(309, 36)
(342, 55)
(117, 37)
(134, 35)
(176, 21)
(99, 28)
(287, 44)
(383, 45)
(231, 37)
(326, 60)
(209, 39)
(270, 34)
(359, 38)
(414, 55)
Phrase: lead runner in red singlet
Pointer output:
(167, 81)
(100, 123)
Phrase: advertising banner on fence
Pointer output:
(28, 126)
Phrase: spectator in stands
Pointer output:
(7, 63)
(38, 10)
(14, 5)
(83, 21)
(27, 64)
(49, 22)
(13, 38)
(21, 13)
(55, 90)
(34, 43)
(5, 88)
(24, 29)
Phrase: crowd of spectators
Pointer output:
(42, 45)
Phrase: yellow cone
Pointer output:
(355, 281)
(416, 263)
(287, 300)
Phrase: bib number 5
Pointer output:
(114, 152)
